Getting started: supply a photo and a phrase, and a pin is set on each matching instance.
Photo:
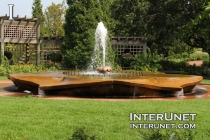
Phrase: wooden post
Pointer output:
(27, 53)
(2, 40)
(38, 44)
(38, 53)
(145, 46)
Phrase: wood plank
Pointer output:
(17, 18)
(2, 40)
(23, 23)
(18, 40)
(38, 45)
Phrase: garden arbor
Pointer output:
(20, 30)
(133, 45)
(129, 45)
(24, 34)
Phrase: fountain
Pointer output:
(99, 60)
(104, 82)
(113, 84)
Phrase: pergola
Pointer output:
(20, 30)
(133, 45)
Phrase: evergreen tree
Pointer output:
(108, 21)
(81, 20)
(37, 13)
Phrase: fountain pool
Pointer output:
(111, 84)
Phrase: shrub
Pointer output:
(81, 134)
(126, 59)
(199, 56)
(173, 64)
(56, 57)
(193, 56)
(178, 47)
(8, 54)
(146, 62)
(20, 68)
(153, 134)
(156, 134)
(203, 70)
(182, 56)
(3, 71)
(184, 68)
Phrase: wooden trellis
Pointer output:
(28, 53)
(22, 53)
(20, 31)
(133, 45)
(49, 44)
(46, 50)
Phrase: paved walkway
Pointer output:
(8, 89)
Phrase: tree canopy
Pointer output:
(196, 31)
(54, 19)
(129, 17)
(160, 21)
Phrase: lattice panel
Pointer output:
(20, 55)
(19, 31)
(136, 49)
(46, 50)
(132, 49)
(32, 54)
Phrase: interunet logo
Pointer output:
(10, 11)
(166, 117)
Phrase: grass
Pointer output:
(3, 78)
(205, 81)
(27, 118)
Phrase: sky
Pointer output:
(23, 7)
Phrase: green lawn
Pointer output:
(205, 81)
(27, 118)
(3, 78)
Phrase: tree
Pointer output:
(165, 19)
(37, 13)
(205, 31)
(81, 20)
(159, 21)
(128, 15)
(54, 19)
(196, 32)
(108, 21)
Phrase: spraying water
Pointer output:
(100, 37)
(99, 56)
